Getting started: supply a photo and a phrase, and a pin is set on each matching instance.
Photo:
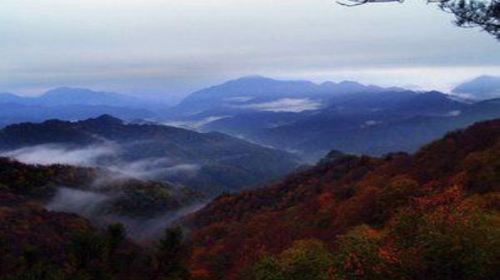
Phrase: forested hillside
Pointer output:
(41, 239)
(432, 215)
(206, 162)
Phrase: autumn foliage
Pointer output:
(431, 215)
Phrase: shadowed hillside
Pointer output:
(432, 215)
(207, 162)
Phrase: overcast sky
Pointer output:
(167, 48)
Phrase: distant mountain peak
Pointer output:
(264, 79)
(482, 87)
(67, 90)
(249, 79)
(254, 77)
(7, 97)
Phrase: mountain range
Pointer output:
(430, 215)
(301, 117)
(207, 162)
(310, 119)
(73, 104)
(365, 210)
(66, 96)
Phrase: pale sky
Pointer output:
(165, 48)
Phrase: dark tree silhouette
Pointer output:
(484, 14)
(170, 254)
(475, 13)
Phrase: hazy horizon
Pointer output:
(177, 98)
(166, 50)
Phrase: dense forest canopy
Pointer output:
(432, 215)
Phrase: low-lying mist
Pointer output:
(153, 228)
(89, 204)
(108, 156)
(154, 168)
(85, 203)
(60, 154)
(94, 200)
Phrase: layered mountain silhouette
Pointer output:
(207, 162)
(302, 117)
(257, 93)
(395, 217)
(72, 104)
(311, 119)
(65, 96)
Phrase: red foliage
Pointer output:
(336, 196)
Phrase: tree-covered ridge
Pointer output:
(129, 196)
(210, 163)
(432, 215)
(36, 243)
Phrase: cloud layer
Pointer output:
(59, 154)
(164, 49)
(105, 156)
(295, 105)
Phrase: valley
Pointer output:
(190, 192)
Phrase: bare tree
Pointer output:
(468, 13)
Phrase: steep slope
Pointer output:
(400, 217)
(210, 162)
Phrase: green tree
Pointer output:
(267, 268)
(357, 255)
(306, 260)
(449, 242)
